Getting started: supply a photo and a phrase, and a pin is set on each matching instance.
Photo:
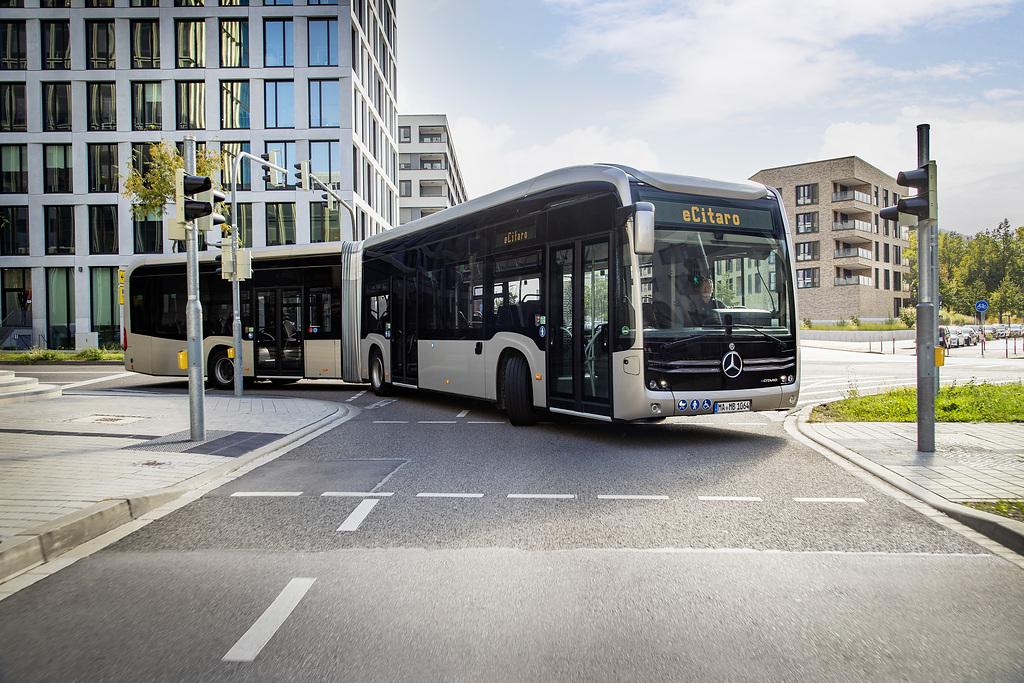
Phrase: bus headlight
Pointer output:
(663, 384)
(652, 384)
(656, 409)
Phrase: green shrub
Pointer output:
(89, 354)
(854, 320)
(42, 355)
(841, 322)
(805, 323)
(908, 316)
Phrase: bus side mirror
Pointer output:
(643, 228)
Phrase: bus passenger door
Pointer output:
(279, 331)
(404, 367)
(579, 323)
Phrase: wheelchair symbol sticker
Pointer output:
(706, 405)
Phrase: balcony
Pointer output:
(851, 195)
(853, 251)
(853, 280)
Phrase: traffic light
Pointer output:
(271, 177)
(200, 209)
(302, 174)
(923, 204)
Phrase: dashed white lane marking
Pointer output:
(355, 494)
(356, 396)
(630, 497)
(829, 500)
(542, 496)
(265, 494)
(357, 516)
(381, 403)
(449, 495)
(740, 499)
(484, 422)
(260, 633)
(390, 422)
(463, 413)
(437, 422)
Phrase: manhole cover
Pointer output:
(108, 419)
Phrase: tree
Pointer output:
(151, 191)
(1008, 298)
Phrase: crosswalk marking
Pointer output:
(357, 516)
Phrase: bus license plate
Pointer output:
(732, 406)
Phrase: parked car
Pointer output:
(971, 334)
(1002, 332)
(962, 336)
(1016, 329)
(948, 339)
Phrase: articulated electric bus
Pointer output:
(599, 291)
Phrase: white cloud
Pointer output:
(1002, 93)
(979, 150)
(493, 156)
(720, 59)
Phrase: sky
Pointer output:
(724, 88)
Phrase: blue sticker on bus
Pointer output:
(706, 405)
(542, 331)
(694, 404)
(681, 405)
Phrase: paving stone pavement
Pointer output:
(65, 454)
(971, 461)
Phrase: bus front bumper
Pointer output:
(689, 403)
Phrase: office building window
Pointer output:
(278, 3)
(807, 278)
(897, 280)
(99, 3)
(191, 102)
(99, 44)
(54, 4)
(285, 152)
(279, 104)
(886, 280)
(404, 134)
(324, 225)
(190, 43)
(60, 308)
(57, 168)
(13, 169)
(877, 258)
(807, 251)
(277, 42)
(234, 104)
(234, 3)
(142, 156)
(16, 296)
(280, 224)
(228, 152)
(147, 106)
(56, 37)
(323, 42)
(103, 167)
(325, 160)
(806, 223)
(13, 231)
(144, 3)
(106, 314)
(885, 253)
(12, 45)
(56, 106)
(189, 3)
(12, 107)
(806, 194)
(244, 226)
(234, 43)
(322, 2)
(102, 108)
(148, 234)
(896, 254)
(59, 223)
(404, 188)
(145, 43)
(103, 229)
(877, 279)
(324, 104)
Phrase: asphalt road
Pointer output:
(710, 548)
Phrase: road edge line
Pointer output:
(36, 547)
(1006, 532)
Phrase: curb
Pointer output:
(61, 362)
(45, 542)
(1006, 532)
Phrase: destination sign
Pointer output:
(699, 214)
(511, 237)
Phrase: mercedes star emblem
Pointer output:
(732, 364)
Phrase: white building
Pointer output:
(85, 90)
(429, 178)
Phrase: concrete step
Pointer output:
(13, 384)
(37, 392)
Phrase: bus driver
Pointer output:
(700, 304)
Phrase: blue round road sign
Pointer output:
(981, 306)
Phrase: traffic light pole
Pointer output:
(194, 315)
(927, 313)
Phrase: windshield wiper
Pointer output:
(685, 340)
(761, 332)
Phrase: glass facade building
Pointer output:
(84, 92)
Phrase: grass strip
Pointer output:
(53, 356)
(1014, 509)
(963, 403)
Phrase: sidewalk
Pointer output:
(73, 457)
(972, 462)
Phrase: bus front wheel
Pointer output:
(377, 383)
(221, 373)
(518, 392)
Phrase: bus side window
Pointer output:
(320, 318)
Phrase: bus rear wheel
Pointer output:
(221, 372)
(518, 392)
(377, 383)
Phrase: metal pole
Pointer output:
(194, 315)
(236, 296)
(927, 317)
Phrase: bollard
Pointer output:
(894, 346)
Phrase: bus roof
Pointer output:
(616, 175)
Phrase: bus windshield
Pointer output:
(703, 281)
